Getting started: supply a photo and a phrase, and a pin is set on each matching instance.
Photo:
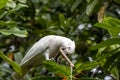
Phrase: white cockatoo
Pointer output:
(45, 49)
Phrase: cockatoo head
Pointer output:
(68, 47)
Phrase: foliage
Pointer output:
(93, 24)
(106, 43)
(58, 68)
(15, 66)
(3, 3)
(111, 24)
(14, 31)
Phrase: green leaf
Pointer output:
(117, 1)
(115, 72)
(2, 14)
(88, 79)
(3, 3)
(114, 31)
(62, 19)
(18, 57)
(18, 6)
(106, 43)
(77, 2)
(22, 1)
(8, 23)
(54, 67)
(110, 24)
(47, 78)
(91, 7)
(15, 31)
(15, 66)
(11, 4)
(102, 55)
(2, 23)
(112, 21)
(86, 66)
(112, 61)
(104, 26)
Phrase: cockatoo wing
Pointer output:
(37, 49)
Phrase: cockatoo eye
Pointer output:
(69, 48)
(63, 48)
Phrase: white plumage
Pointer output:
(45, 49)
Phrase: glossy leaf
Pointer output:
(110, 24)
(47, 78)
(87, 66)
(62, 19)
(115, 72)
(106, 43)
(14, 31)
(77, 2)
(22, 1)
(54, 67)
(2, 14)
(3, 3)
(87, 79)
(111, 61)
(15, 66)
(91, 7)
(20, 6)
(8, 23)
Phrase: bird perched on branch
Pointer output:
(45, 49)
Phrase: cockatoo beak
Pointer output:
(66, 58)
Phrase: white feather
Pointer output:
(46, 48)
